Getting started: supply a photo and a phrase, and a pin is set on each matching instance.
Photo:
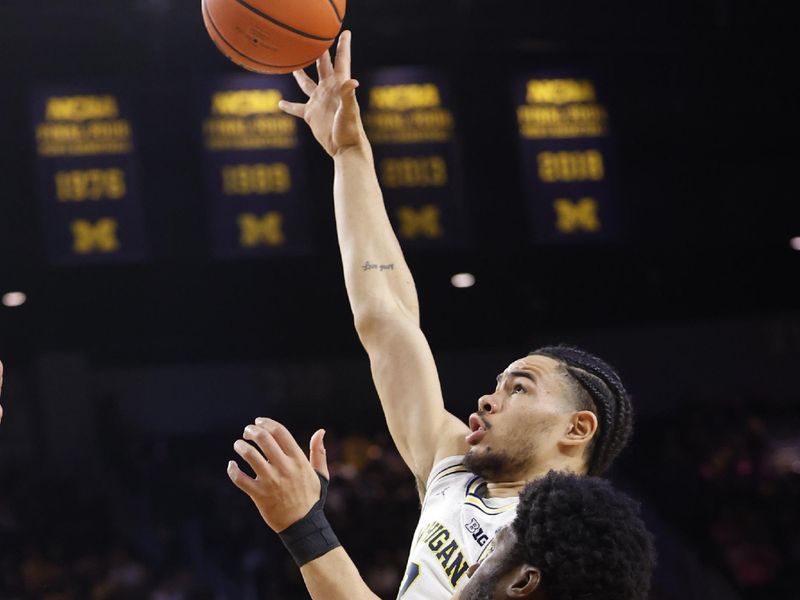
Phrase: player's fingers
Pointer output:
(304, 81)
(253, 457)
(265, 440)
(317, 455)
(283, 437)
(343, 54)
(324, 66)
(241, 480)
(348, 93)
(296, 109)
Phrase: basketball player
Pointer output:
(558, 408)
(572, 537)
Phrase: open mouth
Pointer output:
(475, 423)
(477, 430)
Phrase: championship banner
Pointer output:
(567, 158)
(410, 124)
(255, 172)
(87, 176)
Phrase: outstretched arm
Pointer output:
(285, 491)
(379, 284)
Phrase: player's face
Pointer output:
(516, 430)
(489, 579)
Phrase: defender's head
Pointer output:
(573, 537)
(557, 408)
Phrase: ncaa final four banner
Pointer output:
(87, 175)
(409, 120)
(255, 172)
(567, 158)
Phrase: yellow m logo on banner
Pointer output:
(419, 223)
(88, 237)
(255, 230)
(572, 217)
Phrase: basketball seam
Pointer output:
(336, 10)
(284, 25)
(232, 47)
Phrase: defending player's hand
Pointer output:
(332, 110)
(286, 486)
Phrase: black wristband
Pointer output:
(311, 536)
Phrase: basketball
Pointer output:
(273, 36)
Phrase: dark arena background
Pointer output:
(615, 175)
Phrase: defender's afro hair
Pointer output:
(587, 539)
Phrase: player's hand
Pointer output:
(286, 486)
(332, 110)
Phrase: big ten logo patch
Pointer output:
(477, 532)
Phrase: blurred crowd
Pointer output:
(158, 519)
(164, 522)
(725, 474)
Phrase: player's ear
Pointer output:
(582, 427)
(524, 583)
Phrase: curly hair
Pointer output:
(597, 387)
(587, 539)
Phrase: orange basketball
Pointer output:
(273, 36)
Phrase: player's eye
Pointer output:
(518, 389)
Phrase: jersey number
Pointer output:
(412, 573)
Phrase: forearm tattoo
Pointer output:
(368, 266)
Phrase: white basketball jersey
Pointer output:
(456, 529)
